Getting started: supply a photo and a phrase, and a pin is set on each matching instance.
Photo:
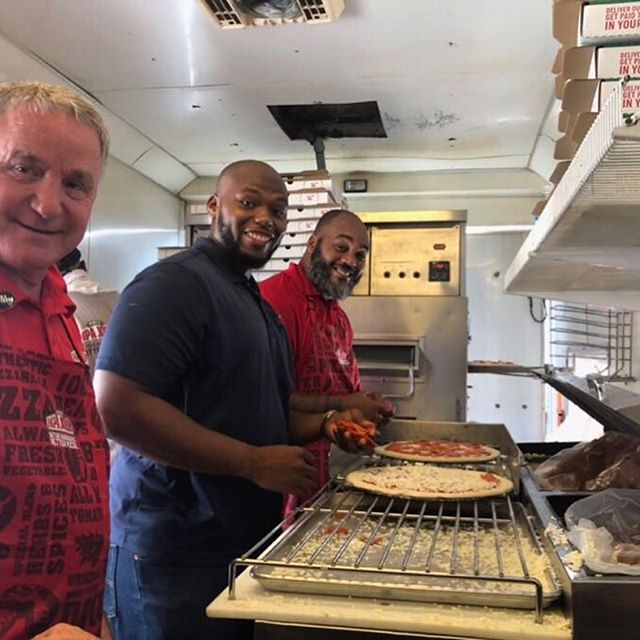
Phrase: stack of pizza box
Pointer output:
(599, 45)
(311, 194)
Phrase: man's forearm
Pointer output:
(309, 403)
(161, 432)
(306, 427)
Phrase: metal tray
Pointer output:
(401, 550)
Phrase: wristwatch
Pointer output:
(325, 419)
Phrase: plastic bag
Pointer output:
(612, 460)
(605, 527)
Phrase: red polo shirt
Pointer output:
(54, 512)
(320, 333)
(36, 326)
(322, 342)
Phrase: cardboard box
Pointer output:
(538, 209)
(560, 81)
(289, 251)
(581, 126)
(558, 61)
(577, 129)
(584, 96)
(595, 62)
(630, 96)
(563, 121)
(615, 22)
(311, 197)
(581, 103)
(310, 180)
(307, 213)
(581, 96)
(578, 23)
(565, 148)
(566, 21)
(303, 185)
(262, 274)
(277, 265)
(559, 171)
(573, 121)
(294, 238)
(301, 226)
(602, 62)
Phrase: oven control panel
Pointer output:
(414, 261)
(439, 271)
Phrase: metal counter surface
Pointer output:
(254, 602)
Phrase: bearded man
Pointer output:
(306, 296)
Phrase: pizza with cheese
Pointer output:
(438, 451)
(424, 481)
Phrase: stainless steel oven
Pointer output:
(409, 313)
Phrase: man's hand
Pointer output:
(373, 406)
(283, 469)
(63, 631)
(351, 431)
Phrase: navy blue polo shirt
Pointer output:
(196, 333)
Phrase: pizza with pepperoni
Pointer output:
(429, 482)
(438, 451)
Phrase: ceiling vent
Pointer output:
(235, 14)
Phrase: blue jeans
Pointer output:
(146, 599)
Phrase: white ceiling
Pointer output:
(461, 84)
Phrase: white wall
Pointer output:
(489, 197)
(501, 328)
(131, 218)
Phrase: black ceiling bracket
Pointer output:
(320, 121)
(318, 147)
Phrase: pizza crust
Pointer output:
(426, 482)
(491, 454)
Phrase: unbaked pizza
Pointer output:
(438, 451)
(432, 482)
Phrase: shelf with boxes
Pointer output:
(600, 43)
(585, 246)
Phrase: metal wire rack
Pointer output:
(481, 552)
(584, 331)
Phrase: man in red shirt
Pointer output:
(306, 296)
(54, 512)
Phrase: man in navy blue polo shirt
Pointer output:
(194, 377)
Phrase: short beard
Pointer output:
(233, 248)
(320, 275)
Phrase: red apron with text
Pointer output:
(54, 513)
(329, 368)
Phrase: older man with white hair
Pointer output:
(54, 515)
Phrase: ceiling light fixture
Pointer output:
(236, 14)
